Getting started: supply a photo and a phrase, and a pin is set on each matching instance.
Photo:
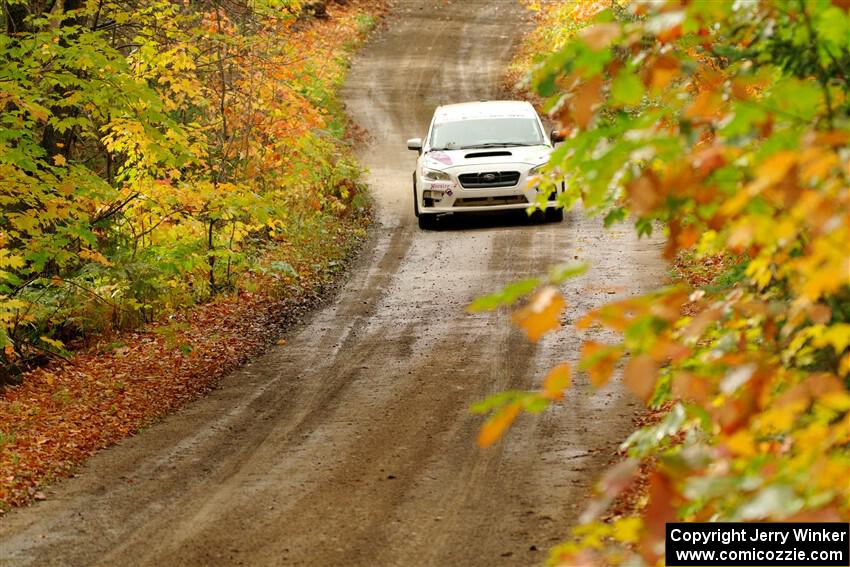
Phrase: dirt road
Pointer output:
(353, 443)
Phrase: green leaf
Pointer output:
(563, 272)
(507, 296)
(282, 267)
(834, 26)
(627, 89)
(498, 401)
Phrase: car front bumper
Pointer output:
(453, 198)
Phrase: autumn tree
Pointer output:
(151, 152)
(727, 126)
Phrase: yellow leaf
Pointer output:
(776, 167)
(627, 530)
(779, 420)
(837, 336)
(734, 205)
(94, 256)
(52, 342)
(542, 314)
(8, 260)
(844, 365)
(813, 437)
(556, 381)
(742, 443)
(838, 401)
(829, 474)
(494, 428)
(59, 160)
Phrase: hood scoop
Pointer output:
(488, 154)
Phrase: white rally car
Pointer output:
(479, 156)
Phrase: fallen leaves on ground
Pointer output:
(65, 412)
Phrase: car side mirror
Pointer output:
(556, 136)
(415, 144)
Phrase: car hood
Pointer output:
(447, 159)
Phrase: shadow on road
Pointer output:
(479, 221)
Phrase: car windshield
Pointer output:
(486, 133)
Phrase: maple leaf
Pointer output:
(542, 314)
(639, 376)
(495, 427)
(556, 381)
(585, 99)
(599, 36)
(599, 361)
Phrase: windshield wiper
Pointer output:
(497, 145)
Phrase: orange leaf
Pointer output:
(663, 70)
(585, 98)
(599, 36)
(776, 167)
(709, 160)
(687, 238)
(644, 194)
(587, 321)
(639, 376)
(495, 427)
(599, 360)
(704, 106)
(556, 381)
(542, 314)
(819, 313)
(664, 349)
(670, 34)
(670, 249)
(660, 509)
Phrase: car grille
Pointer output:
(491, 201)
(489, 179)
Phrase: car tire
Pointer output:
(427, 222)
(415, 197)
(555, 215)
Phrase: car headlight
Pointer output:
(434, 175)
(537, 169)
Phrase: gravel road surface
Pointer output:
(353, 443)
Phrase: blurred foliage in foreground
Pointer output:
(727, 123)
(152, 151)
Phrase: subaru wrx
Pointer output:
(481, 156)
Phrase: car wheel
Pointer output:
(555, 215)
(427, 222)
